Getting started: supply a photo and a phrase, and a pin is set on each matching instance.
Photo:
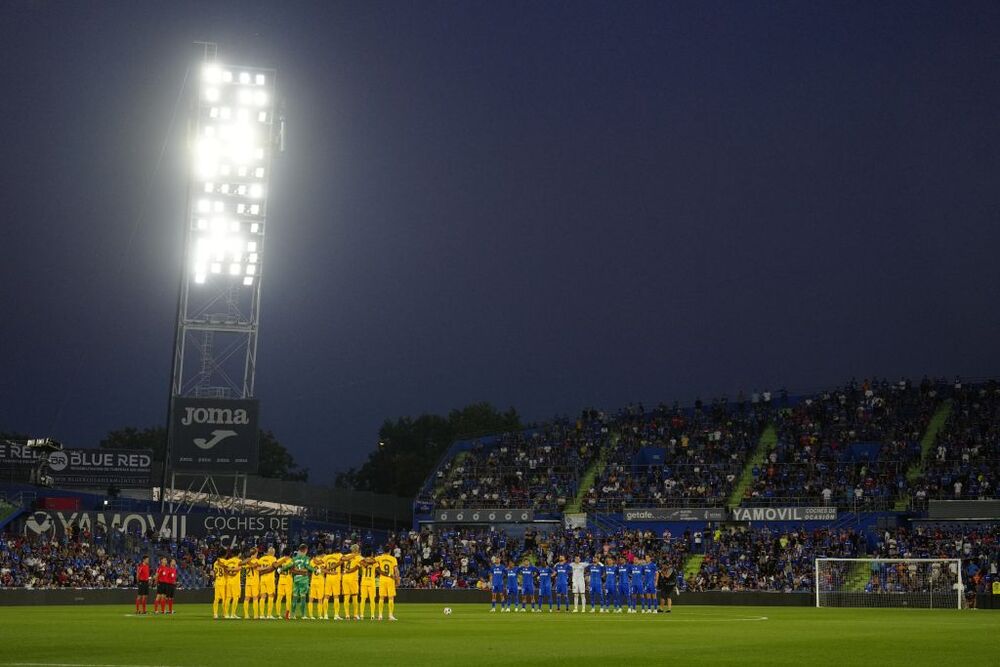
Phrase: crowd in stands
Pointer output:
(851, 447)
(700, 454)
(735, 558)
(536, 469)
(766, 559)
(857, 447)
(965, 461)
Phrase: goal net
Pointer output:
(928, 583)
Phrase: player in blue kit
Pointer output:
(611, 583)
(596, 585)
(528, 573)
(511, 597)
(650, 573)
(637, 583)
(562, 582)
(623, 582)
(498, 573)
(545, 574)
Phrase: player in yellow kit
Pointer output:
(251, 592)
(349, 581)
(317, 586)
(284, 585)
(233, 566)
(219, 571)
(267, 564)
(331, 565)
(368, 572)
(388, 579)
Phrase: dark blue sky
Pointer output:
(542, 204)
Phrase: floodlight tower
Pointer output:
(232, 136)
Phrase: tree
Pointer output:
(276, 462)
(408, 449)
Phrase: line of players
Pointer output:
(306, 585)
(615, 587)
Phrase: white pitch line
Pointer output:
(73, 664)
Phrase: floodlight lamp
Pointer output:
(204, 206)
(212, 94)
(211, 73)
(234, 269)
(260, 98)
(216, 267)
(259, 79)
(199, 278)
(256, 191)
(244, 77)
(248, 281)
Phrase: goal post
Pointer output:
(922, 583)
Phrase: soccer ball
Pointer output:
(447, 611)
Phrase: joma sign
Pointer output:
(214, 435)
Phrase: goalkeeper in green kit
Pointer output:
(301, 569)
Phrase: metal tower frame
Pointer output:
(218, 316)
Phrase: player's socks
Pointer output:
(392, 607)
(170, 605)
(380, 601)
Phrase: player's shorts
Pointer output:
(161, 589)
(561, 589)
(528, 590)
(267, 584)
(512, 592)
(668, 591)
(253, 588)
(332, 586)
(368, 590)
(650, 588)
(316, 588)
(545, 592)
(386, 588)
(233, 587)
(143, 588)
(596, 589)
(579, 587)
(171, 589)
(285, 586)
(497, 589)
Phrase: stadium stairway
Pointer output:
(693, 565)
(768, 440)
(937, 422)
(857, 577)
(591, 475)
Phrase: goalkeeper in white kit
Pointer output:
(579, 584)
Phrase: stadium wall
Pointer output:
(125, 596)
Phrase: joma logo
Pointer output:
(214, 416)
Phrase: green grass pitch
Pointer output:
(693, 635)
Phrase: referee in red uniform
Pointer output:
(142, 578)
(171, 582)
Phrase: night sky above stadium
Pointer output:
(548, 205)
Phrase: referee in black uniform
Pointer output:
(666, 585)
